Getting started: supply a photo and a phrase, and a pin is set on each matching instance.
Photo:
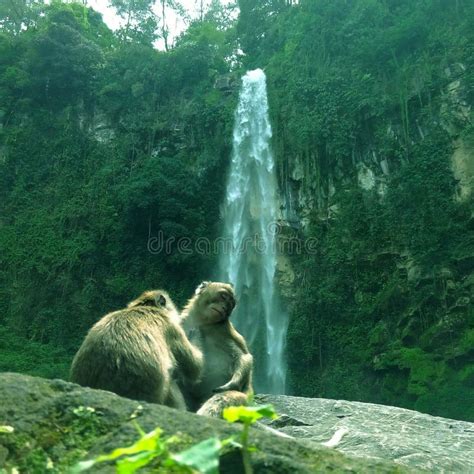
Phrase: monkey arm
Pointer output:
(241, 380)
(188, 357)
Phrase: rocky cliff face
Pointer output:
(307, 185)
(394, 256)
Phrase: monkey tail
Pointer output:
(216, 404)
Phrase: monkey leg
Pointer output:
(216, 404)
(242, 376)
(175, 398)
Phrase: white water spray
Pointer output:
(250, 224)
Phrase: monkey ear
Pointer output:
(160, 300)
(202, 287)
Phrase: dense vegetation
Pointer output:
(106, 141)
(371, 100)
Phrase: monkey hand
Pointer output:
(226, 387)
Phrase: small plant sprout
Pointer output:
(130, 459)
(86, 419)
(137, 412)
(6, 429)
(83, 411)
(201, 458)
(248, 416)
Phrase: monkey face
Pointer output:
(216, 301)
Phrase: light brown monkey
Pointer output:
(139, 352)
(228, 363)
(216, 404)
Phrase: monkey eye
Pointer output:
(224, 296)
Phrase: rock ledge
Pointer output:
(49, 436)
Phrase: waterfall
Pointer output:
(250, 228)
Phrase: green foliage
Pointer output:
(425, 372)
(150, 447)
(6, 429)
(140, 20)
(202, 457)
(105, 144)
(363, 85)
(18, 354)
(86, 421)
(247, 415)
(18, 15)
(63, 436)
(63, 63)
(154, 450)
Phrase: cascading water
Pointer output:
(250, 224)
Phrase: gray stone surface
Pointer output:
(49, 435)
(409, 438)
